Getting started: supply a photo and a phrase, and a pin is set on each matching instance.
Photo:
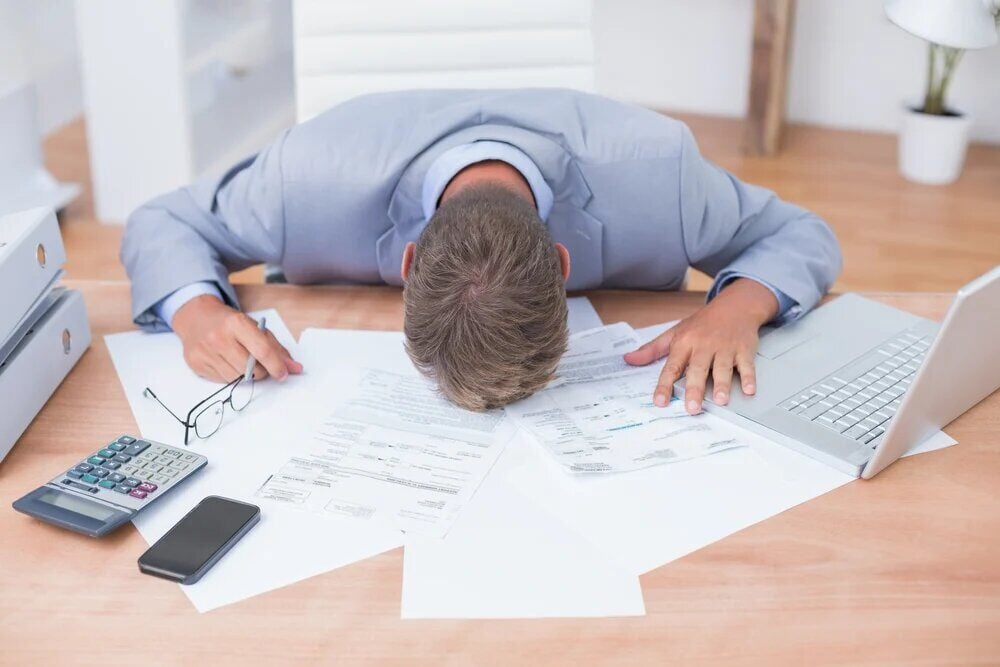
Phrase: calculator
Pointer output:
(111, 486)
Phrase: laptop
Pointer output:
(856, 383)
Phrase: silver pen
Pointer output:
(251, 362)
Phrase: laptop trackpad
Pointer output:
(776, 342)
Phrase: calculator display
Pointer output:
(75, 504)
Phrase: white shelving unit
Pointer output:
(179, 89)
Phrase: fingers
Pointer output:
(747, 371)
(293, 366)
(651, 351)
(234, 355)
(260, 372)
(672, 371)
(722, 377)
(264, 347)
(697, 377)
(208, 365)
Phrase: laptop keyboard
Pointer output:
(859, 400)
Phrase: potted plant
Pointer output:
(933, 137)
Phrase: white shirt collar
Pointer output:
(458, 158)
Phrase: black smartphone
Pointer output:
(199, 540)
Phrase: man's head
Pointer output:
(485, 302)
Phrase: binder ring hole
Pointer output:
(40, 255)
(67, 341)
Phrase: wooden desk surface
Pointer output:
(905, 568)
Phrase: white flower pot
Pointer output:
(932, 148)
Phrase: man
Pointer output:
(479, 203)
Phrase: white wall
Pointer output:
(850, 67)
(38, 44)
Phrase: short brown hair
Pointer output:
(484, 302)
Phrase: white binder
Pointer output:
(37, 365)
(31, 259)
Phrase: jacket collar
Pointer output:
(553, 161)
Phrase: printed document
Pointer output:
(598, 415)
(394, 452)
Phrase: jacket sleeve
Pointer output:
(202, 232)
(730, 227)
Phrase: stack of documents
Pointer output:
(556, 518)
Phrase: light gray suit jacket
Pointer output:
(335, 200)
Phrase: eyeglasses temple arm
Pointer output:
(149, 393)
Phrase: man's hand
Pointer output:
(715, 340)
(218, 340)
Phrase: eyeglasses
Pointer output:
(206, 416)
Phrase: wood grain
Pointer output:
(902, 569)
(769, 63)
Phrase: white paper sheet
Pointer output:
(392, 451)
(286, 546)
(506, 558)
(649, 517)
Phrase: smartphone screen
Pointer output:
(201, 537)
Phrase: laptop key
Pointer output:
(882, 415)
(842, 425)
(856, 432)
(817, 409)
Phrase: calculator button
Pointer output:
(116, 477)
(136, 447)
(126, 440)
(160, 479)
(106, 453)
(180, 466)
(106, 484)
(74, 473)
(122, 458)
(112, 465)
(153, 468)
(116, 446)
(96, 460)
(148, 456)
(136, 493)
(99, 472)
(164, 460)
(172, 452)
(148, 487)
(122, 488)
(84, 467)
(78, 485)
(132, 481)
(169, 472)
(188, 457)
(89, 479)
